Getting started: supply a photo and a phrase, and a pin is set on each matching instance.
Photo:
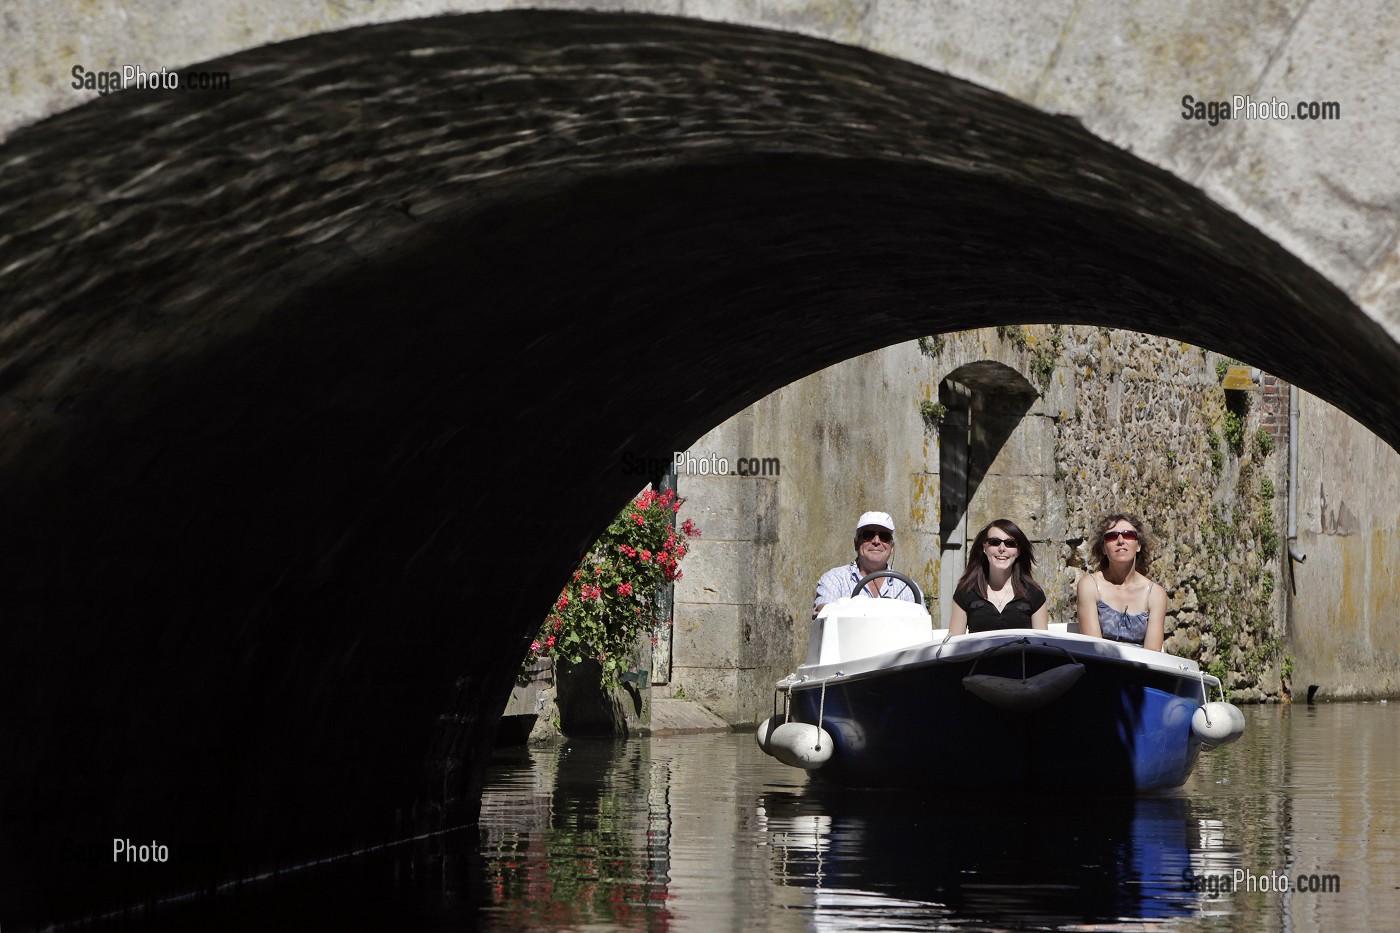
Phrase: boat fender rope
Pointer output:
(1205, 693)
(821, 708)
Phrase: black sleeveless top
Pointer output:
(982, 616)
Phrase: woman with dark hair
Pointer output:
(1117, 601)
(997, 590)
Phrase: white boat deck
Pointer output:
(855, 636)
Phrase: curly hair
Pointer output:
(1145, 540)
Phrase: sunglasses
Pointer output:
(1128, 535)
(998, 542)
(867, 533)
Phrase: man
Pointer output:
(874, 543)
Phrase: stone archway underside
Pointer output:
(313, 392)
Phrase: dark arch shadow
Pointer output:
(312, 393)
(985, 402)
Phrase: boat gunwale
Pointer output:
(971, 646)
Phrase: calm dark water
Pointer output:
(707, 833)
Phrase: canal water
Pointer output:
(1294, 828)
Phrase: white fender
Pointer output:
(764, 735)
(801, 745)
(1217, 724)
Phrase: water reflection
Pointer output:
(588, 844)
(707, 833)
(587, 836)
(1022, 859)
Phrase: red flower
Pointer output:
(645, 555)
(624, 589)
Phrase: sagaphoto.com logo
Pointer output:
(701, 463)
(136, 77)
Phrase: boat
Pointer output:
(885, 700)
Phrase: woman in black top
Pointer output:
(998, 591)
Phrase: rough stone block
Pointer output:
(1030, 450)
(1026, 500)
(717, 689)
(726, 508)
(709, 636)
(717, 572)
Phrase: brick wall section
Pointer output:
(1273, 404)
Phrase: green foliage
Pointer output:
(1221, 671)
(1266, 488)
(1219, 664)
(1268, 542)
(1044, 356)
(610, 601)
(1217, 459)
(933, 413)
(1043, 365)
(1221, 525)
(932, 346)
(1264, 442)
(1262, 655)
(1233, 429)
(1222, 368)
(1016, 334)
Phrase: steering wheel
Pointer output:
(918, 596)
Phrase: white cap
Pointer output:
(876, 519)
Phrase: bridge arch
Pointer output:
(311, 397)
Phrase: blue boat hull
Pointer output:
(1119, 729)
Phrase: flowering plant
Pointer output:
(610, 601)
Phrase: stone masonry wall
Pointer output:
(1155, 434)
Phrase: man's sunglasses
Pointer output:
(867, 533)
(998, 542)
(1128, 535)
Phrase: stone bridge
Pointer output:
(314, 388)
